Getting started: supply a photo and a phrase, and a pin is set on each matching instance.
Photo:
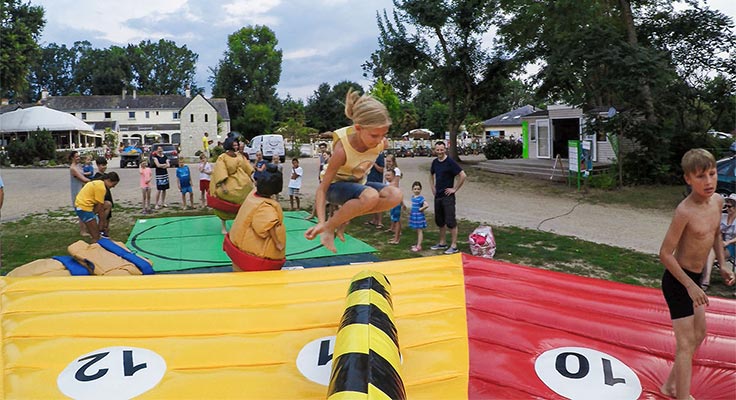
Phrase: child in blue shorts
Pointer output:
(395, 213)
(185, 186)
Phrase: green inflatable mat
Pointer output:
(182, 243)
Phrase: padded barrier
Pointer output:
(126, 255)
(367, 361)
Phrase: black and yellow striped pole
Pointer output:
(366, 361)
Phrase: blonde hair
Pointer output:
(365, 110)
(393, 159)
(696, 160)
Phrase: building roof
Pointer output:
(510, 118)
(220, 105)
(90, 103)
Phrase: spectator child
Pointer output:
(87, 169)
(354, 151)
(205, 172)
(417, 221)
(99, 175)
(260, 165)
(694, 230)
(295, 183)
(90, 202)
(184, 182)
(145, 184)
(392, 165)
(395, 213)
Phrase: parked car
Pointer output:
(726, 176)
(170, 152)
(720, 135)
(269, 145)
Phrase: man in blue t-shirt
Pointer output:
(442, 180)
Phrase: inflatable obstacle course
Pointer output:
(183, 243)
(468, 327)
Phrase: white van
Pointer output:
(270, 145)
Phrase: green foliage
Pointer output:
(255, 120)
(249, 71)
(386, 95)
(443, 50)
(435, 118)
(605, 180)
(20, 28)
(162, 67)
(497, 149)
(325, 109)
(38, 146)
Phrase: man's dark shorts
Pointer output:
(444, 211)
(678, 301)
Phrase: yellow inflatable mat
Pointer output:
(260, 335)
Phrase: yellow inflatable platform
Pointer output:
(266, 335)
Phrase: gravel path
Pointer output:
(34, 190)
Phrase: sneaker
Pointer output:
(439, 247)
(451, 250)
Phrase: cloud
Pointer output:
(250, 11)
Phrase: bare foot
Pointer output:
(312, 232)
(341, 231)
(671, 392)
(327, 239)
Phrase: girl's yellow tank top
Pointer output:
(357, 164)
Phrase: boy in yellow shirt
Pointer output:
(90, 203)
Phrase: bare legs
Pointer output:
(689, 334)
(160, 199)
(369, 202)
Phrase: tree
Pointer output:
(626, 54)
(385, 94)
(20, 28)
(445, 52)
(162, 67)
(250, 69)
(102, 71)
(325, 109)
(256, 119)
(54, 71)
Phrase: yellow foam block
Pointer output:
(248, 335)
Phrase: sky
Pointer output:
(321, 40)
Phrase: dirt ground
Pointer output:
(36, 190)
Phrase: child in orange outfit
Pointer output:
(257, 239)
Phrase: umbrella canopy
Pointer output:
(40, 117)
(419, 134)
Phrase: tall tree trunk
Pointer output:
(628, 19)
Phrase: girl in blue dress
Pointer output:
(417, 220)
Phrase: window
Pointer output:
(74, 114)
(148, 114)
(175, 115)
(206, 118)
(108, 115)
(532, 132)
(131, 114)
(191, 117)
(601, 136)
(84, 115)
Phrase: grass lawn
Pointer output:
(46, 235)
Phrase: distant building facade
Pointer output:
(177, 119)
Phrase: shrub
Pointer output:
(38, 146)
(497, 149)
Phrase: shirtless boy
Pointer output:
(694, 230)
